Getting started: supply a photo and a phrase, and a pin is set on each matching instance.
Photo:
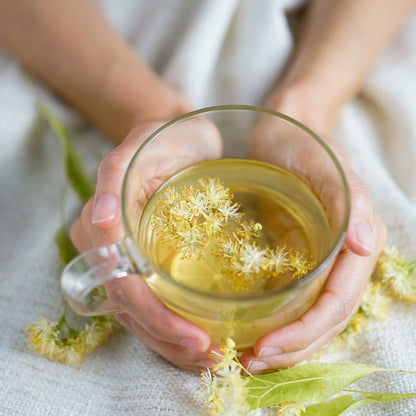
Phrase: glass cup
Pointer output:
(240, 134)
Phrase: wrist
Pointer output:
(308, 102)
(132, 93)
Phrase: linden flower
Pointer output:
(250, 260)
(194, 217)
(59, 342)
(398, 273)
(277, 260)
(215, 192)
(375, 303)
(300, 263)
(230, 212)
(348, 337)
(224, 392)
(189, 218)
(247, 231)
(228, 359)
(209, 393)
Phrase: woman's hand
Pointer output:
(365, 238)
(173, 337)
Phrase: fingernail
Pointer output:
(365, 237)
(254, 366)
(191, 343)
(105, 209)
(268, 351)
(206, 363)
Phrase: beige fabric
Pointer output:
(124, 377)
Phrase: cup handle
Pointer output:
(84, 276)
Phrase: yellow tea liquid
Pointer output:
(290, 215)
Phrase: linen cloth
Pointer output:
(214, 52)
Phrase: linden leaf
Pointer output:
(77, 176)
(341, 405)
(310, 382)
(370, 397)
(333, 407)
(66, 249)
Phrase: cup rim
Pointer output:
(252, 296)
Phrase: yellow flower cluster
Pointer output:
(59, 342)
(394, 277)
(192, 218)
(375, 304)
(398, 274)
(224, 391)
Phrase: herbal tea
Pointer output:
(234, 227)
(237, 246)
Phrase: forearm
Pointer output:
(340, 42)
(70, 46)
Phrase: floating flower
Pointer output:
(192, 218)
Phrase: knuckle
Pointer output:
(360, 197)
(357, 186)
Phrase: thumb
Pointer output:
(362, 232)
(106, 205)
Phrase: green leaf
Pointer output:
(342, 405)
(310, 382)
(370, 397)
(66, 249)
(333, 407)
(77, 176)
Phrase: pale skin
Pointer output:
(97, 72)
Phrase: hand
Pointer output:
(173, 337)
(366, 236)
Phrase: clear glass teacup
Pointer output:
(233, 215)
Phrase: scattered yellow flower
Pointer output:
(59, 342)
(224, 392)
(398, 273)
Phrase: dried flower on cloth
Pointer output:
(59, 342)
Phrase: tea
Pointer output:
(285, 218)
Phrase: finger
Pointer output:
(79, 236)
(334, 307)
(181, 356)
(362, 231)
(256, 365)
(132, 295)
(106, 213)
(86, 235)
